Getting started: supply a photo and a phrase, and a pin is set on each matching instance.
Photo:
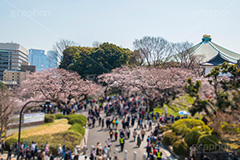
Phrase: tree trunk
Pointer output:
(151, 106)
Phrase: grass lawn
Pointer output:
(49, 128)
(55, 133)
(183, 102)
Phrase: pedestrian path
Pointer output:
(97, 135)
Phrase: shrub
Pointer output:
(49, 118)
(202, 129)
(71, 116)
(10, 141)
(184, 126)
(169, 138)
(82, 119)
(192, 138)
(169, 125)
(181, 148)
(230, 128)
(163, 129)
(209, 142)
(82, 122)
(59, 116)
(77, 128)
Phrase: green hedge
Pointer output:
(169, 138)
(59, 116)
(10, 141)
(74, 118)
(82, 122)
(49, 118)
(77, 128)
(181, 148)
(192, 138)
(209, 142)
(163, 129)
(185, 126)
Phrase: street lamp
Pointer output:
(20, 124)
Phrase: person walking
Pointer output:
(99, 121)
(10, 152)
(102, 124)
(111, 134)
(2, 146)
(139, 140)
(159, 154)
(134, 134)
(122, 141)
(116, 134)
(143, 132)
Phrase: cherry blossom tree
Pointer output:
(159, 86)
(56, 85)
(7, 107)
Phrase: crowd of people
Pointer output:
(122, 117)
(126, 117)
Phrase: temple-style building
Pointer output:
(213, 54)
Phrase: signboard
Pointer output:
(33, 117)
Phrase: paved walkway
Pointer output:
(96, 135)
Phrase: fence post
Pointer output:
(125, 154)
(134, 155)
(116, 152)
(144, 156)
(108, 152)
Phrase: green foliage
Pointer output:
(169, 138)
(209, 142)
(181, 148)
(49, 118)
(59, 116)
(81, 121)
(3, 87)
(192, 138)
(230, 128)
(68, 138)
(185, 126)
(226, 92)
(191, 88)
(10, 141)
(74, 118)
(163, 129)
(77, 128)
(98, 60)
(202, 129)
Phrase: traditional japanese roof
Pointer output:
(213, 53)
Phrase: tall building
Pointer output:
(18, 75)
(38, 58)
(12, 55)
(52, 59)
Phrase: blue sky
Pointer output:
(40, 23)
